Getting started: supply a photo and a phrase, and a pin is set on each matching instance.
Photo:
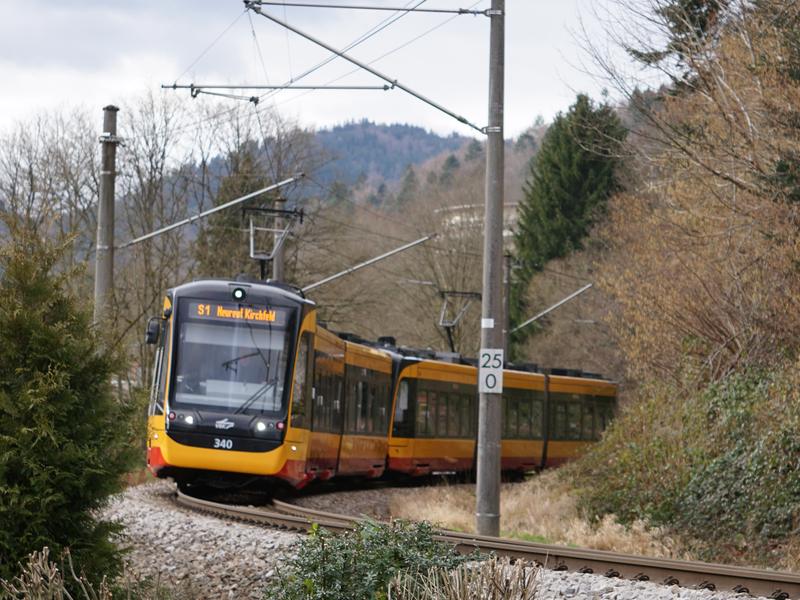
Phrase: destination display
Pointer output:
(232, 312)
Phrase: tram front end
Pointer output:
(232, 358)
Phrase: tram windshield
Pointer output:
(232, 357)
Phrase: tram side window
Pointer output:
(587, 432)
(316, 413)
(441, 427)
(402, 422)
(453, 414)
(466, 417)
(372, 408)
(379, 412)
(433, 412)
(331, 399)
(320, 420)
(352, 406)
(422, 412)
(605, 414)
(525, 419)
(512, 418)
(326, 403)
(401, 406)
(336, 404)
(303, 379)
(379, 409)
(574, 420)
(363, 406)
(536, 419)
(559, 421)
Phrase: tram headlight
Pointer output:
(238, 294)
(261, 426)
(183, 419)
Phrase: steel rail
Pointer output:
(757, 582)
(262, 517)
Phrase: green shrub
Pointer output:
(359, 565)
(721, 465)
(65, 440)
(749, 487)
(643, 462)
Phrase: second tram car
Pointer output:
(247, 385)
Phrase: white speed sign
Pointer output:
(490, 371)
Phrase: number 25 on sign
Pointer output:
(490, 371)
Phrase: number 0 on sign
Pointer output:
(490, 371)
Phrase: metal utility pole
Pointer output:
(279, 259)
(490, 376)
(104, 257)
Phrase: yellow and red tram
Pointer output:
(247, 385)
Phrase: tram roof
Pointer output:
(218, 285)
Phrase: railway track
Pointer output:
(780, 585)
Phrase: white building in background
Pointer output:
(468, 217)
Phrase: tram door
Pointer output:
(327, 405)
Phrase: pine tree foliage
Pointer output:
(65, 440)
(409, 185)
(573, 174)
(474, 151)
(689, 22)
(222, 245)
(449, 169)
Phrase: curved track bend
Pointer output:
(757, 582)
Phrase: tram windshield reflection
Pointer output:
(233, 363)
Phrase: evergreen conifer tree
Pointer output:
(409, 185)
(573, 175)
(65, 439)
(474, 151)
(449, 168)
(222, 248)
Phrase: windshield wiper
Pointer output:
(260, 392)
(227, 364)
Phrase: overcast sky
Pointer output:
(92, 53)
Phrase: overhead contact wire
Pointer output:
(212, 45)
(359, 40)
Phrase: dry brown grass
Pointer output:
(541, 509)
(495, 579)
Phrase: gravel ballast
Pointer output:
(213, 558)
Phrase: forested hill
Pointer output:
(380, 149)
